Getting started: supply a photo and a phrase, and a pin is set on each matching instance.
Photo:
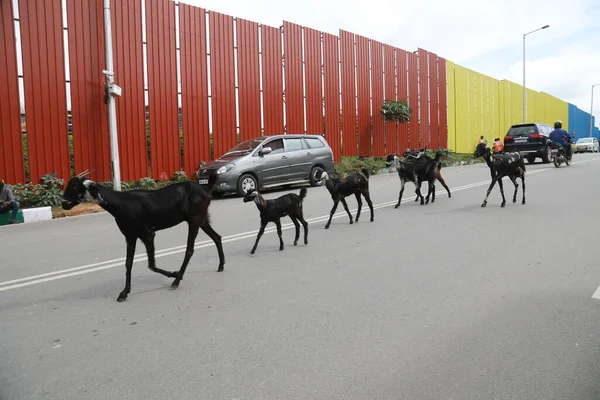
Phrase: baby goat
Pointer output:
(273, 210)
(357, 184)
(140, 213)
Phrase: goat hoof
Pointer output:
(175, 284)
(252, 251)
(281, 249)
(397, 205)
(502, 205)
(220, 268)
(483, 205)
(122, 297)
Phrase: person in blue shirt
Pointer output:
(562, 137)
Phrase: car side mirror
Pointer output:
(265, 150)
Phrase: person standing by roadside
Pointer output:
(8, 203)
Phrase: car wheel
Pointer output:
(245, 183)
(547, 157)
(312, 179)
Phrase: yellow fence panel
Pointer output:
(450, 93)
(481, 105)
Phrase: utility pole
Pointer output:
(592, 110)
(524, 88)
(113, 90)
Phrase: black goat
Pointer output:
(418, 170)
(273, 210)
(501, 165)
(140, 213)
(339, 188)
(432, 173)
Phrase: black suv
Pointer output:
(531, 140)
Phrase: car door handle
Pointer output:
(283, 157)
(309, 154)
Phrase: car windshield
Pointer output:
(585, 140)
(517, 131)
(243, 148)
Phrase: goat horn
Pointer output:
(84, 173)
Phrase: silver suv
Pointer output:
(269, 161)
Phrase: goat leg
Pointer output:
(260, 233)
(343, 200)
(359, 202)
(502, 192)
(418, 192)
(430, 192)
(305, 225)
(149, 242)
(216, 238)
(523, 181)
(279, 233)
(189, 251)
(128, 265)
(443, 182)
(489, 191)
(514, 181)
(369, 202)
(297, 225)
(335, 204)
(400, 194)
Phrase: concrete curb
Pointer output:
(36, 214)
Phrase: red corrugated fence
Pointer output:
(334, 85)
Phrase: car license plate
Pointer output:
(203, 181)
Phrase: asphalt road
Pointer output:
(444, 301)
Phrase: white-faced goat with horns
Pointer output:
(140, 213)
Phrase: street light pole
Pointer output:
(524, 88)
(592, 110)
(113, 90)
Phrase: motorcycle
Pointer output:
(560, 156)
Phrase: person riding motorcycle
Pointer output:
(562, 137)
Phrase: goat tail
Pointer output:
(303, 193)
(365, 171)
(212, 181)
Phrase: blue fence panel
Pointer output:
(579, 123)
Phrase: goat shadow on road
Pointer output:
(108, 290)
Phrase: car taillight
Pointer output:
(507, 138)
(536, 136)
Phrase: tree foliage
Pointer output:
(396, 111)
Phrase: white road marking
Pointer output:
(118, 262)
(596, 294)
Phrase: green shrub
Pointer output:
(48, 193)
